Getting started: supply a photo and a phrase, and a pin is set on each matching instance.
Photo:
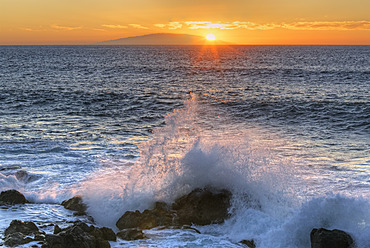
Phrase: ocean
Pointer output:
(285, 128)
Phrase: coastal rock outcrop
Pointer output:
(16, 239)
(80, 235)
(12, 196)
(19, 232)
(200, 207)
(249, 243)
(159, 216)
(75, 204)
(131, 234)
(323, 238)
(203, 207)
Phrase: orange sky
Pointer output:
(235, 21)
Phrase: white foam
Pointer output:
(270, 204)
(183, 155)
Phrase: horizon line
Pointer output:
(230, 44)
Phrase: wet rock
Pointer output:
(39, 237)
(12, 197)
(14, 167)
(131, 234)
(323, 238)
(203, 207)
(24, 227)
(249, 243)
(18, 233)
(108, 234)
(79, 235)
(186, 227)
(16, 239)
(25, 177)
(159, 216)
(57, 229)
(75, 204)
(200, 207)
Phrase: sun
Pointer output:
(210, 37)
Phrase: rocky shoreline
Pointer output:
(200, 207)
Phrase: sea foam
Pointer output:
(186, 154)
(270, 203)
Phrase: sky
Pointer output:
(30, 22)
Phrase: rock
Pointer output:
(75, 204)
(186, 227)
(12, 197)
(17, 232)
(39, 237)
(54, 241)
(108, 234)
(200, 207)
(25, 177)
(249, 243)
(131, 234)
(79, 235)
(16, 239)
(323, 238)
(57, 229)
(203, 207)
(159, 216)
(26, 228)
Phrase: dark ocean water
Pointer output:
(288, 122)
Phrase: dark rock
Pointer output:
(323, 238)
(17, 238)
(75, 204)
(14, 167)
(186, 227)
(25, 177)
(26, 228)
(12, 197)
(17, 232)
(79, 235)
(39, 237)
(108, 234)
(203, 207)
(131, 234)
(249, 243)
(200, 207)
(21, 175)
(57, 229)
(54, 241)
(159, 216)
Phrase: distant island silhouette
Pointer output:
(163, 39)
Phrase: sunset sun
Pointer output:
(210, 37)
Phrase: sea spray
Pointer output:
(187, 153)
(272, 201)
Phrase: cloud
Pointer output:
(99, 29)
(170, 25)
(138, 26)
(217, 25)
(67, 28)
(314, 25)
(114, 26)
(229, 25)
(340, 25)
(29, 29)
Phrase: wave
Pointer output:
(277, 200)
(273, 201)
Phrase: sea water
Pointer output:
(285, 128)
